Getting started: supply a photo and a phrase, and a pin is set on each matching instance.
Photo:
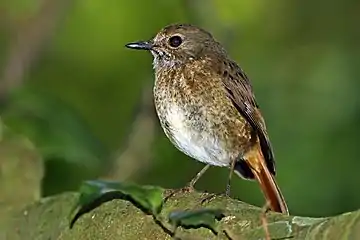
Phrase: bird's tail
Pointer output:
(256, 163)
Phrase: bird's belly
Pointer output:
(190, 135)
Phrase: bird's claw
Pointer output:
(187, 189)
(211, 196)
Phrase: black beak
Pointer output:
(140, 45)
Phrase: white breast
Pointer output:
(201, 145)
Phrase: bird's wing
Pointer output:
(240, 92)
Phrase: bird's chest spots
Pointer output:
(188, 131)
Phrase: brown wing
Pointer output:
(240, 92)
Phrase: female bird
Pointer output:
(207, 107)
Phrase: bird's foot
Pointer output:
(187, 189)
(211, 196)
(228, 189)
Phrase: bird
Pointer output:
(207, 108)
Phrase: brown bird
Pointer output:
(207, 107)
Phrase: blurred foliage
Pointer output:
(62, 137)
(21, 173)
(77, 102)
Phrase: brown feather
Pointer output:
(240, 92)
(268, 185)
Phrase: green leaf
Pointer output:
(93, 193)
(196, 218)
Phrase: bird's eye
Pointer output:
(175, 41)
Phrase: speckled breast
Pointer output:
(195, 123)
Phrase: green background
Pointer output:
(78, 100)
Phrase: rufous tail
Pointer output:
(268, 185)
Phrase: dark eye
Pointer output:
(175, 41)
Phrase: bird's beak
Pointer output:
(140, 45)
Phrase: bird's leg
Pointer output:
(190, 186)
(228, 185)
(197, 177)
